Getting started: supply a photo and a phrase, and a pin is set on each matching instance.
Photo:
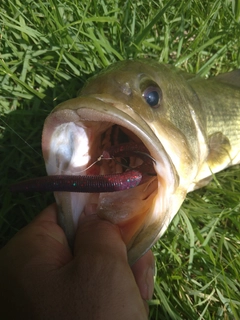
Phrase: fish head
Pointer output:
(138, 102)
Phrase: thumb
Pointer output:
(101, 237)
(101, 258)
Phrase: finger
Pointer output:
(100, 257)
(49, 214)
(144, 271)
(46, 222)
(40, 241)
(99, 236)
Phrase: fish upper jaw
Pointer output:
(74, 136)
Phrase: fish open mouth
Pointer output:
(95, 142)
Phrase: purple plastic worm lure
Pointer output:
(94, 183)
(84, 184)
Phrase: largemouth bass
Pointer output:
(173, 128)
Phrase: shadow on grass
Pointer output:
(21, 158)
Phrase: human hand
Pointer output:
(40, 278)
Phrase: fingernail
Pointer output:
(150, 282)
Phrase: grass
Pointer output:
(47, 51)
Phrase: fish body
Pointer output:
(190, 127)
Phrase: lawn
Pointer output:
(48, 49)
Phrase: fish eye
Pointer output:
(153, 96)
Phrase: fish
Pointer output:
(173, 128)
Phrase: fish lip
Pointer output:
(94, 109)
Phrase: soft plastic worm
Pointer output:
(85, 184)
